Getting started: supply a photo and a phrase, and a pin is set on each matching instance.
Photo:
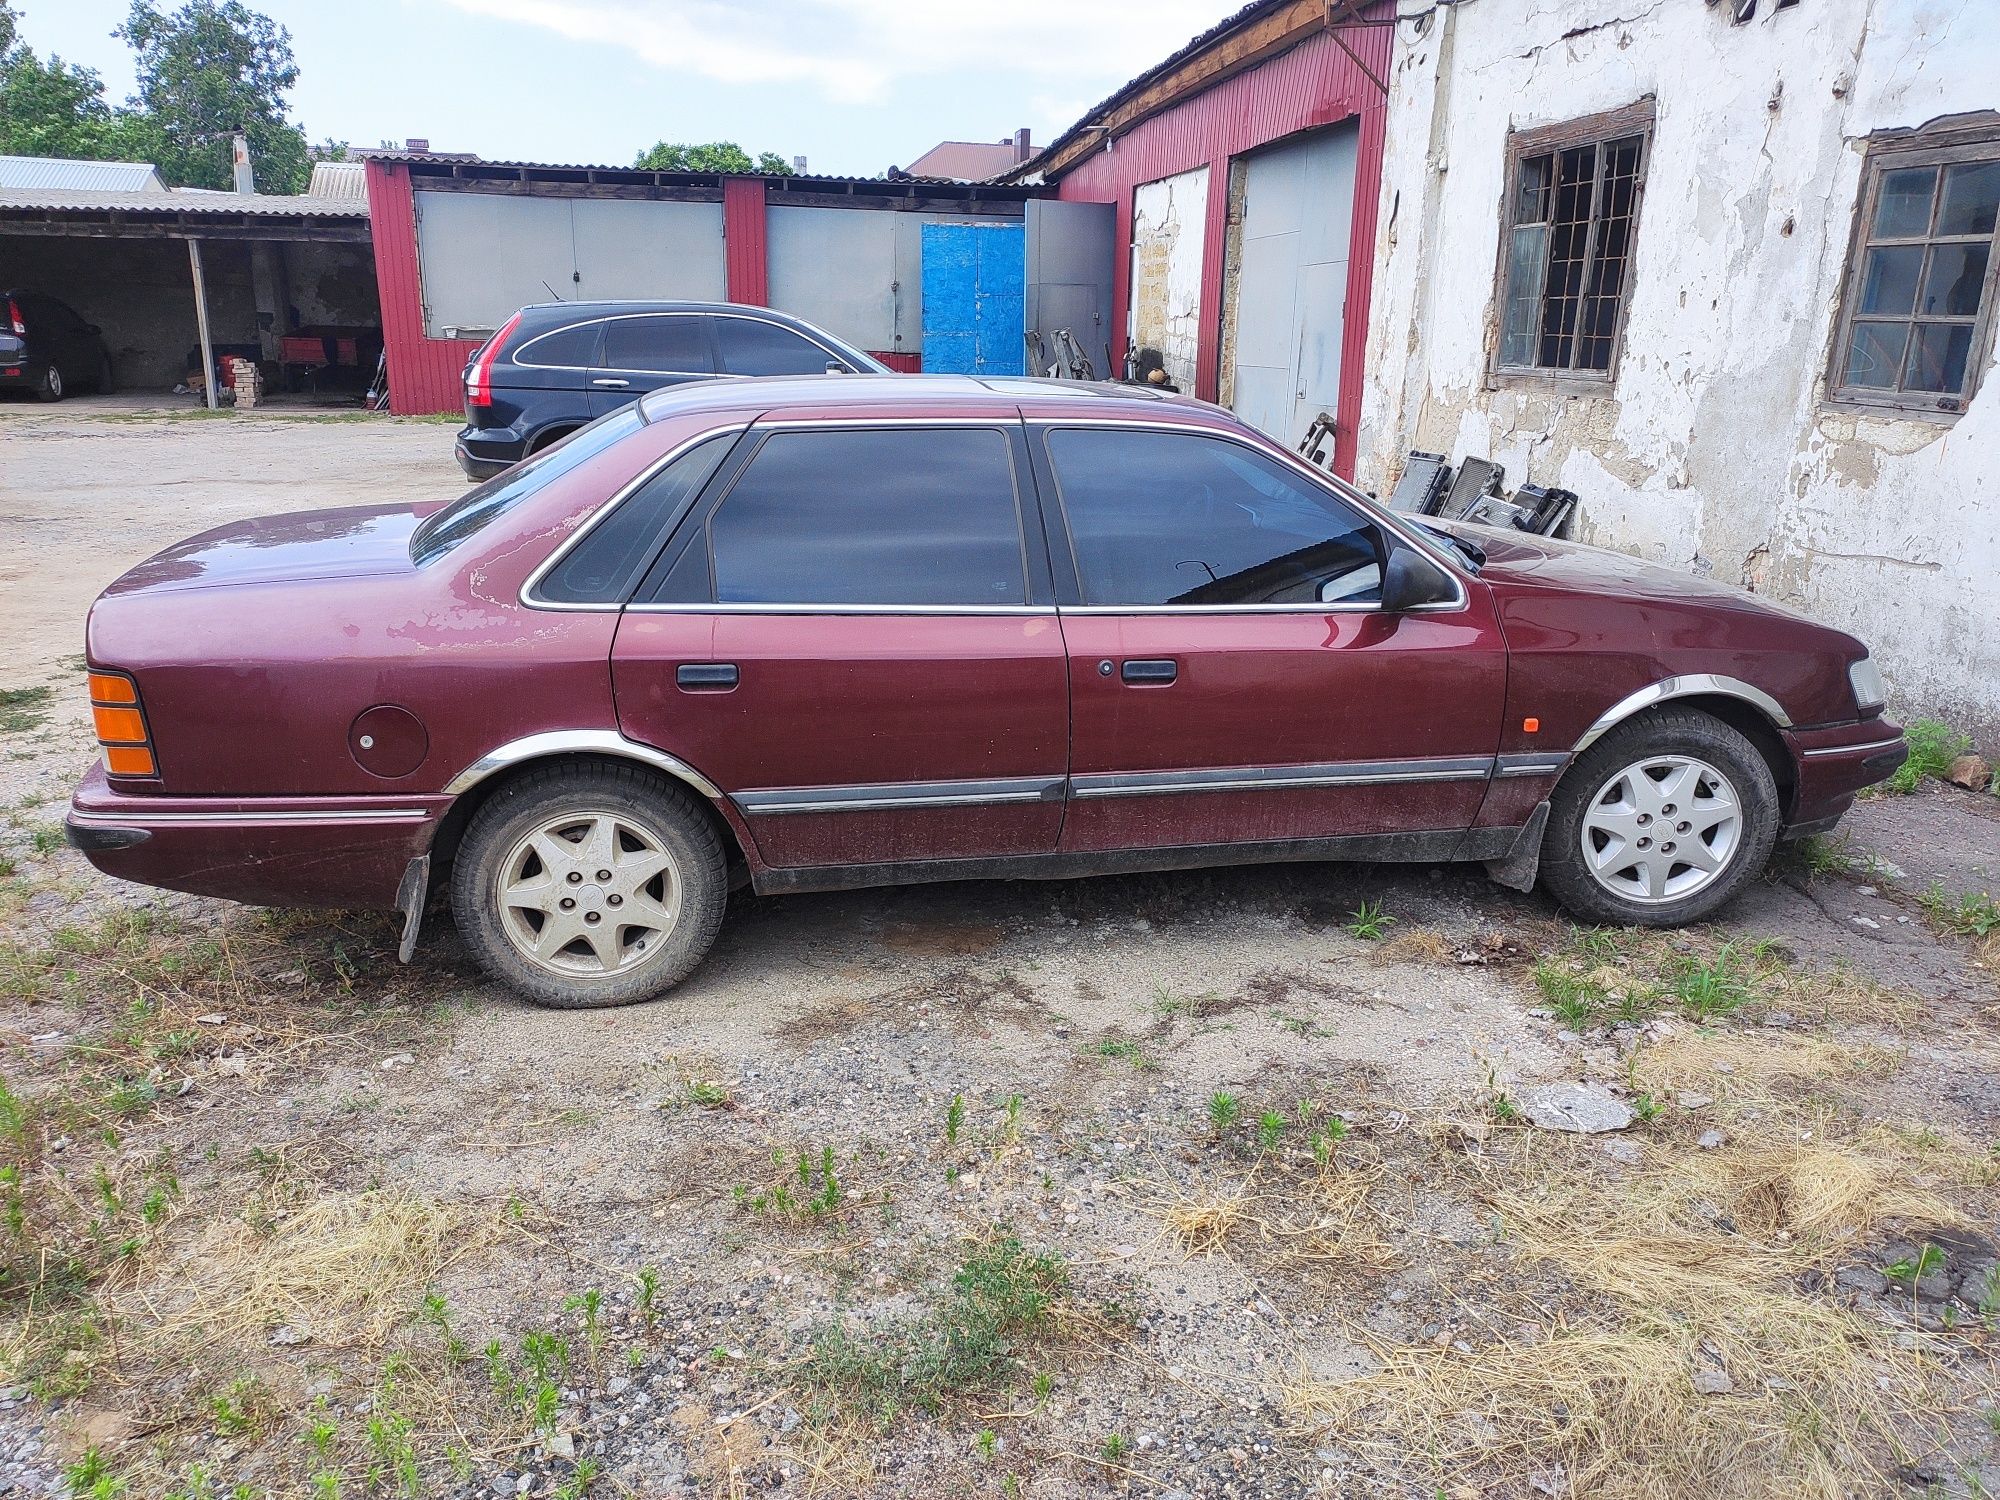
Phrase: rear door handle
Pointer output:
(614, 385)
(1153, 672)
(706, 676)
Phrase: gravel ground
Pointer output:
(1109, 1011)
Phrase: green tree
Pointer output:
(716, 156)
(55, 108)
(207, 70)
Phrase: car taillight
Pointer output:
(479, 379)
(121, 725)
(14, 318)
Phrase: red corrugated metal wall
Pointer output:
(424, 373)
(1314, 84)
(746, 264)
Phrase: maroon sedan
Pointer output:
(807, 635)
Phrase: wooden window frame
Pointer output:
(1941, 143)
(1637, 119)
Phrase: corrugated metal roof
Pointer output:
(338, 179)
(34, 172)
(647, 174)
(269, 205)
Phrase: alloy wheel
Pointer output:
(1662, 829)
(52, 384)
(588, 894)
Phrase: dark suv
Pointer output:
(47, 349)
(556, 366)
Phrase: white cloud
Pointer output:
(858, 51)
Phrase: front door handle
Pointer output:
(705, 676)
(612, 385)
(1154, 673)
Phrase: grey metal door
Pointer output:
(1291, 281)
(1069, 276)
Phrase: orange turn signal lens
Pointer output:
(128, 760)
(106, 688)
(119, 726)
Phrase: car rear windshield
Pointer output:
(476, 508)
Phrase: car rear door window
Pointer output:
(751, 346)
(571, 348)
(603, 566)
(668, 344)
(913, 516)
(1168, 518)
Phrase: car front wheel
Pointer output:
(1660, 822)
(590, 886)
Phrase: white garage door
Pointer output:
(1291, 281)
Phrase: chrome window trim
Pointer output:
(1353, 499)
(884, 796)
(578, 742)
(1280, 778)
(527, 596)
(1690, 685)
(1861, 749)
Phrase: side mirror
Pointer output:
(835, 367)
(1410, 580)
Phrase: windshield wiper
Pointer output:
(1472, 552)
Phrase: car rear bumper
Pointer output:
(1833, 764)
(483, 452)
(268, 851)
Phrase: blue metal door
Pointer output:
(974, 286)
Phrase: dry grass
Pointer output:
(344, 1269)
(1414, 945)
(1280, 1218)
(1694, 1261)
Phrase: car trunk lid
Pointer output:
(351, 542)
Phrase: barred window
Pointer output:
(1919, 293)
(1573, 195)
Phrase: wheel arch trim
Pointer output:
(1691, 685)
(561, 742)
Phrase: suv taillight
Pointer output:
(479, 378)
(14, 318)
(121, 725)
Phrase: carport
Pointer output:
(286, 281)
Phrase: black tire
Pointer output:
(646, 808)
(1667, 732)
(548, 439)
(51, 387)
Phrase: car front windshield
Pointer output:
(479, 507)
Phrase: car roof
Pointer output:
(648, 305)
(929, 395)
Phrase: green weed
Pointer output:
(1369, 921)
(1224, 1110)
(1969, 914)
(1933, 747)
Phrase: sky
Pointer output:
(854, 86)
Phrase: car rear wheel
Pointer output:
(51, 388)
(590, 886)
(1660, 822)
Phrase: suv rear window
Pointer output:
(571, 348)
(443, 530)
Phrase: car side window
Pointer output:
(664, 345)
(571, 348)
(913, 516)
(1170, 518)
(603, 566)
(751, 346)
